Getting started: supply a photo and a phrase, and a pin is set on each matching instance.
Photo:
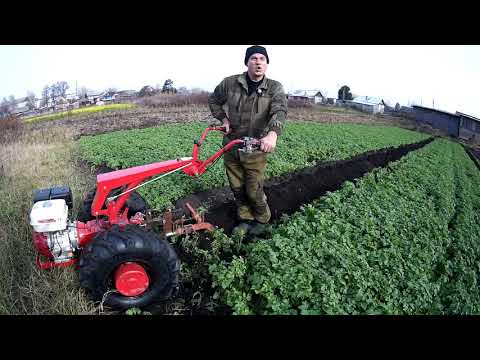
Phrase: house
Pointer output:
(92, 97)
(21, 111)
(109, 98)
(368, 104)
(125, 95)
(447, 122)
(469, 126)
(21, 107)
(308, 96)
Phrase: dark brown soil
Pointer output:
(138, 118)
(286, 194)
(474, 155)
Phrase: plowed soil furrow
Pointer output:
(286, 194)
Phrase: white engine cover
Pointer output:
(49, 215)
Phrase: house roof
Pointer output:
(126, 92)
(437, 110)
(467, 116)
(20, 109)
(306, 93)
(20, 100)
(368, 100)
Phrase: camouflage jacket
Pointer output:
(255, 115)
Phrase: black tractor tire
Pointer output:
(135, 204)
(111, 248)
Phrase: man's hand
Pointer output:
(269, 142)
(226, 123)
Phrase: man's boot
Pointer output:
(257, 228)
(242, 228)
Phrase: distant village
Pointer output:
(457, 125)
(23, 106)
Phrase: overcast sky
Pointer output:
(445, 77)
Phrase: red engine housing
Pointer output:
(41, 243)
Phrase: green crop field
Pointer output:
(401, 240)
(301, 145)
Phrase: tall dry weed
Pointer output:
(33, 160)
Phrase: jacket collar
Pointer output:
(243, 81)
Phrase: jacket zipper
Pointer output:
(250, 128)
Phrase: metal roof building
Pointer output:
(313, 96)
(445, 121)
(469, 126)
(369, 104)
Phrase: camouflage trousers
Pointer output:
(245, 174)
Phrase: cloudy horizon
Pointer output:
(440, 76)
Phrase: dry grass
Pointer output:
(34, 160)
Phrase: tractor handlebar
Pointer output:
(249, 145)
(246, 144)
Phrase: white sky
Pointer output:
(446, 75)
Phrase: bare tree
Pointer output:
(45, 95)
(110, 91)
(7, 106)
(61, 88)
(4, 108)
(83, 92)
(53, 94)
(31, 100)
(13, 103)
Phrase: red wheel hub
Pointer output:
(131, 279)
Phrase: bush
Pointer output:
(10, 128)
(298, 103)
(168, 100)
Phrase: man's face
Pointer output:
(257, 65)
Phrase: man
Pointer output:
(257, 107)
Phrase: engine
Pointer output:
(54, 236)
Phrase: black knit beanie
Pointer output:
(256, 50)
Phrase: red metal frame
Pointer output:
(134, 176)
(131, 178)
